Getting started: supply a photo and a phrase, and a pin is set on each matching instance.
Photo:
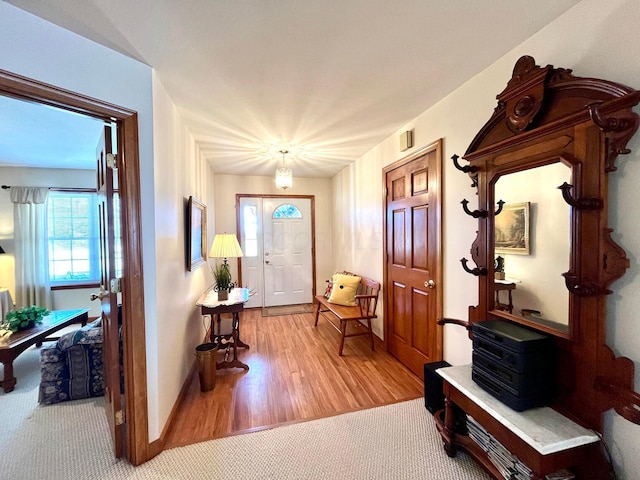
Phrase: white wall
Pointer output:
(357, 209)
(227, 186)
(180, 172)
(595, 39)
(37, 49)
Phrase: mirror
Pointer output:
(532, 246)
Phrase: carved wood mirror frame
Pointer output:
(546, 115)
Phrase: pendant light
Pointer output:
(284, 176)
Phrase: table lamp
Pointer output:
(225, 245)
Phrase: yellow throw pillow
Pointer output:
(343, 291)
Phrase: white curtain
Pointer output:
(31, 246)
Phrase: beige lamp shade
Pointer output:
(225, 245)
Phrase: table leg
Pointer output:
(449, 433)
(236, 327)
(9, 381)
(234, 363)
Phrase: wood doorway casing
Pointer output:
(413, 258)
(136, 442)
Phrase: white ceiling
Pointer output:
(326, 79)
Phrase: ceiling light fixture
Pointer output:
(284, 175)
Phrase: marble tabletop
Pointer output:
(544, 429)
(210, 299)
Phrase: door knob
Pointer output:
(266, 261)
(99, 296)
(430, 284)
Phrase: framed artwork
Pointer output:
(196, 233)
(512, 229)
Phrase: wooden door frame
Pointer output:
(437, 146)
(312, 199)
(136, 446)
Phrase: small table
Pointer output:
(18, 342)
(209, 305)
(500, 285)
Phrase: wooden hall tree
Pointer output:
(547, 116)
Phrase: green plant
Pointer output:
(222, 277)
(25, 317)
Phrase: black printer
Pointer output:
(513, 363)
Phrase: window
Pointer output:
(287, 211)
(72, 225)
(250, 224)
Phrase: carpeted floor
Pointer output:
(71, 440)
(286, 310)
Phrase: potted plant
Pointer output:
(222, 277)
(24, 318)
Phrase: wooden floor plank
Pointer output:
(295, 375)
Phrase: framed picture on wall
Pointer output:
(196, 233)
(512, 229)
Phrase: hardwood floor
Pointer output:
(295, 374)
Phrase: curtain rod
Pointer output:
(59, 189)
(7, 187)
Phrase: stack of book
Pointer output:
(509, 465)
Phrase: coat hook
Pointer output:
(470, 169)
(466, 168)
(583, 289)
(607, 124)
(589, 203)
(476, 271)
(475, 213)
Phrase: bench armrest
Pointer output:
(366, 296)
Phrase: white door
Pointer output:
(290, 282)
(287, 255)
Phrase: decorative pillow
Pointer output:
(344, 289)
(327, 290)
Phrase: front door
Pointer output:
(108, 291)
(413, 297)
(287, 251)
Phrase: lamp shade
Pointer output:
(225, 245)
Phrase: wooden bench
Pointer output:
(366, 300)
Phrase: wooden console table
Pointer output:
(19, 341)
(544, 440)
(209, 305)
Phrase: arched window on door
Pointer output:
(287, 210)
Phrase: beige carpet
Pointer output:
(71, 441)
(286, 310)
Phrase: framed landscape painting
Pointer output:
(512, 229)
(196, 233)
